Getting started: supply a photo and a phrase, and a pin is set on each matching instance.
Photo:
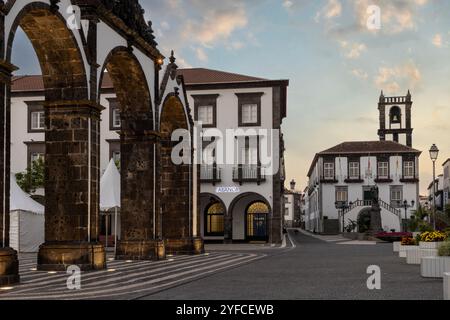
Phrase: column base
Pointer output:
(140, 250)
(9, 267)
(185, 246)
(59, 256)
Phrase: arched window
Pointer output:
(395, 115)
(214, 219)
(257, 215)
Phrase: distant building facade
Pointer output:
(341, 178)
(238, 202)
(293, 207)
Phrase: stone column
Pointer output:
(71, 187)
(228, 227)
(9, 264)
(177, 192)
(139, 238)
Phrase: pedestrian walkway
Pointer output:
(122, 279)
(326, 238)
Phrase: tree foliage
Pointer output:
(33, 178)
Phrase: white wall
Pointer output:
(355, 191)
(19, 132)
(227, 117)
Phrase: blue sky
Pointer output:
(336, 65)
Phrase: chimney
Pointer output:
(293, 185)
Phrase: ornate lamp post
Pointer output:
(406, 206)
(434, 153)
(342, 206)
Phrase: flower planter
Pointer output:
(434, 267)
(447, 286)
(414, 256)
(430, 245)
(403, 249)
(396, 246)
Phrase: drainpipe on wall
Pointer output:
(89, 176)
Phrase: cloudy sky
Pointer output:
(336, 65)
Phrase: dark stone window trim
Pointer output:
(34, 147)
(206, 100)
(34, 106)
(113, 105)
(353, 179)
(331, 160)
(249, 98)
(409, 158)
(382, 179)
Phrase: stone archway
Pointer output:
(176, 183)
(139, 219)
(207, 200)
(72, 130)
(237, 216)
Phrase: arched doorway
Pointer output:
(71, 136)
(214, 219)
(257, 215)
(138, 218)
(248, 218)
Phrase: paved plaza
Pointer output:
(308, 267)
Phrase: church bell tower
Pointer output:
(395, 119)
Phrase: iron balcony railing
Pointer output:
(248, 173)
(210, 173)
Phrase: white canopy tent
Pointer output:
(27, 221)
(110, 196)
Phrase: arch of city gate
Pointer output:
(75, 42)
(180, 221)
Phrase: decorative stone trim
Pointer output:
(430, 245)
(414, 256)
(434, 267)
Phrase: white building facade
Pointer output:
(341, 178)
(240, 200)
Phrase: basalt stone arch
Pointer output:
(176, 183)
(59, 55)
(139, 238)
(71, 137)
(245, 199)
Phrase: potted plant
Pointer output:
(435, 267)
(431, 239)
(407, 243)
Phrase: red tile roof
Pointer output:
(191, 76)
(202, 76)
(368, 147)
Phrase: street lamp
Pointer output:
(406, 206)
(434, 153)
(342, 206)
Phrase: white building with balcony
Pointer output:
(240, 200)
(341, 178)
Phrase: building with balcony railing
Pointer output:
(238, 201)
(341, 178)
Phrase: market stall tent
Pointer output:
(27, 221)
(110, 198)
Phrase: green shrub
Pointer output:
(425, 227)
(444, 249)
